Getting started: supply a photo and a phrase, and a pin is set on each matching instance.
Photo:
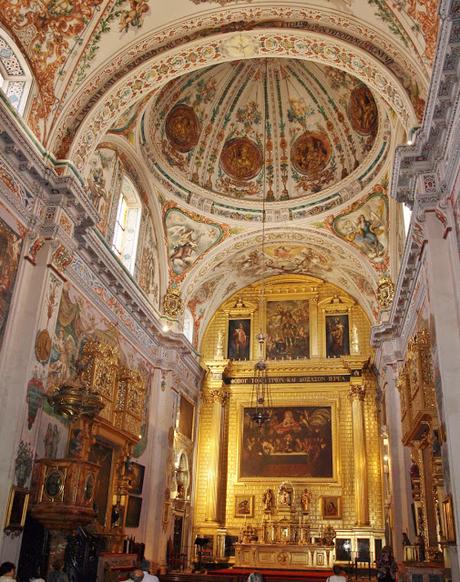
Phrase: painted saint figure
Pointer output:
(238, 340)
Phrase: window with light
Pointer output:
(127, 224)
(15, 75)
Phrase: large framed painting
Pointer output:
(288, 331)
(133, 511)
(136, 478)
(296, 442)
(239, 339)
(17, 508)
(337, 336)
(186, 414)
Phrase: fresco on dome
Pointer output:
(101, 181)
(241, 158)
(365, 226)
(311, 153)
(126, 123)
(362, 111)
(46, 33)
(182, 128)
(148, 274)
(246, 112)
(10, 251)
(188, 237)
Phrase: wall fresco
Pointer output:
(365, 226)
(188, 237)
(10, 251)
(149, 274)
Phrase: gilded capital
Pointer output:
(357, 391)
(216, 395)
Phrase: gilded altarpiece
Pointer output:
(316, 402)
(96, 472)
(423, 433)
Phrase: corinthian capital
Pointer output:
(216, 395)
(357, 391)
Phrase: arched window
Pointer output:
(15, 75)
(407, 214)
(188, 325)
(127, 223)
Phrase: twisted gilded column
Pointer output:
(215, 395)
(357, 395)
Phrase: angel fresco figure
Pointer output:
(366, 234)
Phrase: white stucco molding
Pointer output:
(436, 147)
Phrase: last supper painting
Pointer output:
(295, 442)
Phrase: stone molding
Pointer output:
(440, 129)
(423, 175)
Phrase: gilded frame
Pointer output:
(332, 404)
(301, 299)
(336, 305)
(331, 507)
(244, 505)
(449, 522)
(16, 512)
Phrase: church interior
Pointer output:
(229, 289)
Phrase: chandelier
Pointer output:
(261, 397)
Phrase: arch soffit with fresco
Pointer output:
(220, 261)
(331, 23)
(151, 76)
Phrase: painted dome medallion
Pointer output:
(291, 128)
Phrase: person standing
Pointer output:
(56, 574)
(7, 572)
(338, 575)
(145, 567)
(387, 567)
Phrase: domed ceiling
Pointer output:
(207, 129)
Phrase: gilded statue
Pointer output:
(305, 500)
(268, 500)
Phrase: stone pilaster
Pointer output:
(400, 488)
